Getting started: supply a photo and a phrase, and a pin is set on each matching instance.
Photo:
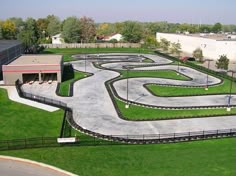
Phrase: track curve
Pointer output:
(93, 108)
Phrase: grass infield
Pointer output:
(19, 121)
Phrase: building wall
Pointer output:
(93, 45)
(13, 72)
(211, 48)
(10, 78)
(117, 37)
(57, 40)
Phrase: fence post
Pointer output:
(8, 146)
(203, 134)
(42, 141)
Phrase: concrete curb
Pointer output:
(39, 164)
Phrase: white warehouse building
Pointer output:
(212, 45)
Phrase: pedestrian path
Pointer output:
(14, 96)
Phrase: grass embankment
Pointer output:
(21, 121)
(68, 52)
(135, 112)
(69, 76)
(209, 157)
(169, 74)
(143, 113)
(222, 88)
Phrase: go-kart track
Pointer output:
(94, 110)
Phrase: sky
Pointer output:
(176, 11)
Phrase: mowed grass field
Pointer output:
(209, 157)
(169, 74)
(205, 158)
(68, 52)
(69, 76)
(18, 121)
(135, 112)
(200, 158)
(223, 88)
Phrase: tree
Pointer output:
(29, 35)
(19, 23)
(42, 25)
(104, 29)
(71, 30)
(88, 29)
(8, 30)
(222, 62)
(175, 49)
(118, 26)
(217, 27)
(205, 28)
(26, 38)
(150, 41)
(132, 31)
(54, 25)
(164, 44)
(1, 36)
(198, 54)
(30, 25)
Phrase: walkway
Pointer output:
(11, 166)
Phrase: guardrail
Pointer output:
(39, 99)
(195, 66)
(111, 139)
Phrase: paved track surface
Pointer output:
(10, 166)
(93, 108)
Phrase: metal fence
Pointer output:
(28, 143)
(38, 98)
(93, 45)
(94, 138)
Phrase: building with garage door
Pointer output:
(34, 68)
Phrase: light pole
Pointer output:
(178, 69)
(85, 63)
(208, 66)
(230, 89)
(127, 86)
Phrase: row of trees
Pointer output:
(84, 29)
(33, 31)
(167, 46)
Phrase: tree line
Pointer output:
(84, 30)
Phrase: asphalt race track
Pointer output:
(93, 108)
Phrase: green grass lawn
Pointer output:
(206, 158)
(223, 88)
(135, 112)
(147, 60)
(95, 50)
(68, 52)
(69, 76)
(154, 74)
(21, 121)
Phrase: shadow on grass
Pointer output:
(47, 52)
(68, 72)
